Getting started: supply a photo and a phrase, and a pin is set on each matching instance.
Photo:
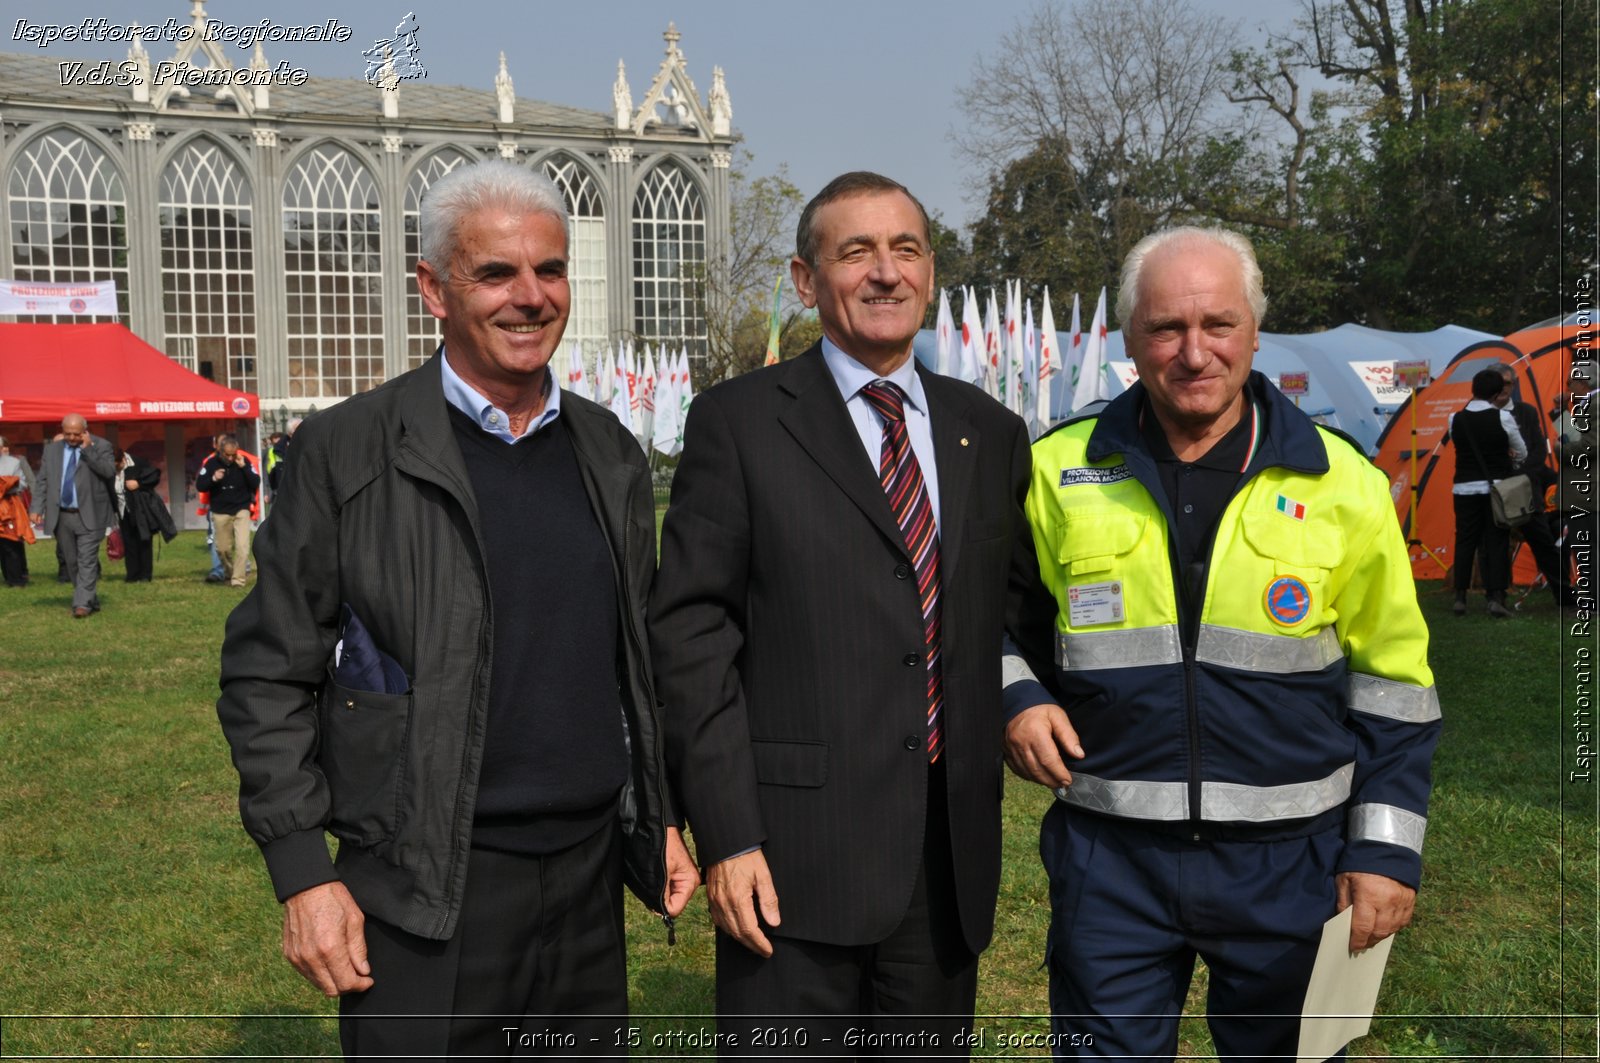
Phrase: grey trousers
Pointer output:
(80, 545)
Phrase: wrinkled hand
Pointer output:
(736, 888)
(1036, 738)
(682, 875)
(1381, 904)
(324, 938)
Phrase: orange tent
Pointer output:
(1541, 357)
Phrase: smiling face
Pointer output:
(1192, 337)
(505, 304)
(873, 277)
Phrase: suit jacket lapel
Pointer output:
(955, 449)
(819, 422)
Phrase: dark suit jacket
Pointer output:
(787, 635)
(97, 505)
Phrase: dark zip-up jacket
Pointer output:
(380, 515)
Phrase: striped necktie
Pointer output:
(901, 477)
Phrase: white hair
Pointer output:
(481, 186)
(1133, 265)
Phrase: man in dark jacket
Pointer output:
(444, 664)
(231, 479)
(1538, 532)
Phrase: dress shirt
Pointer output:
(1519, 450)
(851, 376)
(489, 417)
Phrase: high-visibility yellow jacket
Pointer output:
(1300, 694)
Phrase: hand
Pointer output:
(218, 474)
(1035, 740)
(324, 938)
(1381, 904)
(682, 876)
(131, 485)
(736, 888)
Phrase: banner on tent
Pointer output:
(1380, 380)
(34, 297)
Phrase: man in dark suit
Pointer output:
(75, 496)
(844, 550)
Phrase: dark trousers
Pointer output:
(80, 545)
(536, 966)
(14, 562)
(137, 554)
(1131, 907)
(911, 995)
(1477, 536)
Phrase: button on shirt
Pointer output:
(851, 376)
(489, 417)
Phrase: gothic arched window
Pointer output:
(586, 269)
(208, 265)
(333, 276)
(669, 256)
(68, 217)
(422, 328)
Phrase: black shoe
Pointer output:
(1498, 610)
(1460, 607)
(214, 578)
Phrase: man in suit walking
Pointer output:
(75, 496)
(843, 552)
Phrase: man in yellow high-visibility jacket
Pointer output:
(1245, 699)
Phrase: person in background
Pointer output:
(141, 515)
(77, 504)
(218, 572)
(230, 478)
(16, 526)
(1488, 447)
(1538, 533)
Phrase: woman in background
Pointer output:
(140, 514)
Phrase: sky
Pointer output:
(822, 88)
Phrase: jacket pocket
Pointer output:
(1091, 542)
(790, 763)
(362, 751)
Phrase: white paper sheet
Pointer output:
(1342, 993)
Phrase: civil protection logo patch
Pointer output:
(1288, 600)
(1091, 475)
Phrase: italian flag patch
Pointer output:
(1290, 508)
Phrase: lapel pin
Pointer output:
(963, 440)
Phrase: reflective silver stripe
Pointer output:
(1253, 651)
(1128, 797)
(1398, 701)
(1125, 648)
(1223, 801)
(1219, 801)
(1386, 823)
(1014, 669)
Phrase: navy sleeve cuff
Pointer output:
(1023, 694)
(1380, 858)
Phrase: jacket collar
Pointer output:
(817, 419)
(1289, 439)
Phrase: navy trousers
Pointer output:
(1131, 908)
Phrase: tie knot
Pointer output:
(887, 399)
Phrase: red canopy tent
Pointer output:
(105, 373)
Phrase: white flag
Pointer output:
(1073, 365)
(619, 391)
(945, 330)
(664, 433)
(647, 399)
(970, 368)
(685, 396)
(991, 348)
(1030, 370)
(1092, 381)
(1049, 365)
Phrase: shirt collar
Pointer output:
(485, 414)
(851, 376)
(1478, 405)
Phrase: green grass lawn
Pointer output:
(138, 920)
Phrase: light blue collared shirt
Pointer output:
(487, 415)
(851, 376)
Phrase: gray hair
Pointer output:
(481, 186)
(1133, 265)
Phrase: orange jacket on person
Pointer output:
(205, 496)
(14, 520)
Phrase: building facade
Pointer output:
(265, 235)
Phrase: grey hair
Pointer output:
(1133, 265)
(482, 186)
